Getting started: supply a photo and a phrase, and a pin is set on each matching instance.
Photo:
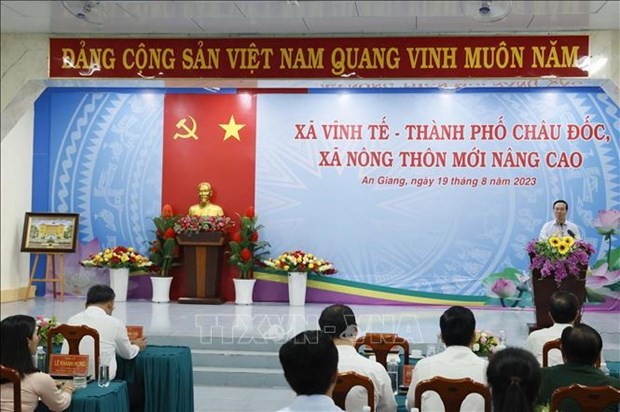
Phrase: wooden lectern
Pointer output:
(542, 289)
(202, 257)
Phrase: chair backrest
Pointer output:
(74, 334)
(589, 398)
(557, 344)
(381, 343)
(13, 376)
(552, 344)
(348, 380)
(452, 392)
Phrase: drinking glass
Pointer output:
(104, 376)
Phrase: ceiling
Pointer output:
(299, 18)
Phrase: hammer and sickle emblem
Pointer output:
(189, 131)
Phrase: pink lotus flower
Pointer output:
(601, 277)
(607, 222)
(504, 288)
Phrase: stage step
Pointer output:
(235, 376)
(224, 358)
(226, 362)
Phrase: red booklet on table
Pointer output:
(135, 332)
(407, 374)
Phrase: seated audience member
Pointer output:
(581, 347)
(19, 339)
(113, 338)
(338, 322)
(310, 364)
(514, 378)
(564, 310)
(456, 362)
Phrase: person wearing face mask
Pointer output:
(19, 337)
(559, 226)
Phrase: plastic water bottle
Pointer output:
(430, 350)
(604, 368)
(502, 338)
(440, 345)
(502, 341)
(41, 357)
(392, 370)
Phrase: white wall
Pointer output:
(24, 62)
(16, 199)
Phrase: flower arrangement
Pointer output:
(192, 224)
(245, 248)
(559, 257)
(485, 343)
(44, 325)
(164, 249)
(116, 258)
(298, 261)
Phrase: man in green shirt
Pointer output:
(581, 347)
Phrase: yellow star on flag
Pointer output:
(232, 129)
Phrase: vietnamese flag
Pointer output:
(209, 138)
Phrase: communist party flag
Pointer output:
(209, 138)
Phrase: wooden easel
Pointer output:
(50, 273)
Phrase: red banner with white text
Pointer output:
(366, 57)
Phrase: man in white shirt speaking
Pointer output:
(456, 362)
(113, 338)
(559, 226)
(338, 322)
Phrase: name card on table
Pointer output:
(68, 365)
(135, 332)
(408, 374)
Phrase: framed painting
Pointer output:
(50, 232)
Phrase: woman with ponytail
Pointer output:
(514, 378)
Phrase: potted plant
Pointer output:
(44, 324)
(119, 260)
(557, 263)
(485, 343)
(164, 250)
(245, 252)
(298, 264)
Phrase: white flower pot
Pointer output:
(119, 279)
(161, 288)
(297, 288)
(244, 288)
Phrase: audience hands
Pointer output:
(65, 386)
(140, 342)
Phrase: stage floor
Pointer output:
(277, 321)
